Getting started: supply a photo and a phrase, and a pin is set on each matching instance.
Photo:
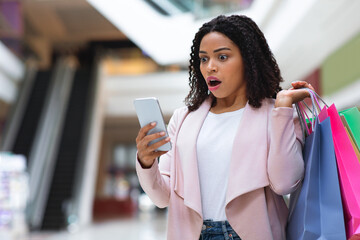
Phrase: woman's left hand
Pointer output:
(286, 98)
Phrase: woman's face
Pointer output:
(221, 66)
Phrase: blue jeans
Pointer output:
(221, 230)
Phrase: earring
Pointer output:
(208, 92)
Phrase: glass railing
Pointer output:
(200, 8)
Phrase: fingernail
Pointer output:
(162, 133)
(167, 139)
(153, 124)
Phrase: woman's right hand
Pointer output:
(147, 153)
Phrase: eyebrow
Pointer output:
(217, 50)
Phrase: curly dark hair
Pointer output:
(262, 74)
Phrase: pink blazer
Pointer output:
(266, 163)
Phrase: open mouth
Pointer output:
(214, 82)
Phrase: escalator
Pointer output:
(29, 122)
(52, 125)
(69, 153)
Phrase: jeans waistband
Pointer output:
(211, 223)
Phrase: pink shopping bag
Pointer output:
(349, 173)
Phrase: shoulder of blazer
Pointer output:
(180, 112)
(269, 102)
(177, 119)
(179, 115)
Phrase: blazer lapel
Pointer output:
(249, 154)
(187, 180)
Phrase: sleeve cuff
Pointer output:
(142, 171)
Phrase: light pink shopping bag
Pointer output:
(349, 172)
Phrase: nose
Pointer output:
(211, 67)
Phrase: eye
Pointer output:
(203, 59)
(223, 57)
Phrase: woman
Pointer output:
(236, 146)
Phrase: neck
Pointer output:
(229, 104)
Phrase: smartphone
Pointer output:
(148, 110)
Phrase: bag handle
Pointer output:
(316, 96)
(315, 112)
(300, 112)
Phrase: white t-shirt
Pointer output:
(214, 148)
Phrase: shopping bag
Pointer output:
(316, 210)
(351, 136)
(352, 117)
(349, 173)
(355, 237)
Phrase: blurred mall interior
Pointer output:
(70, 70)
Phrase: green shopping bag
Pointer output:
(352, 116)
